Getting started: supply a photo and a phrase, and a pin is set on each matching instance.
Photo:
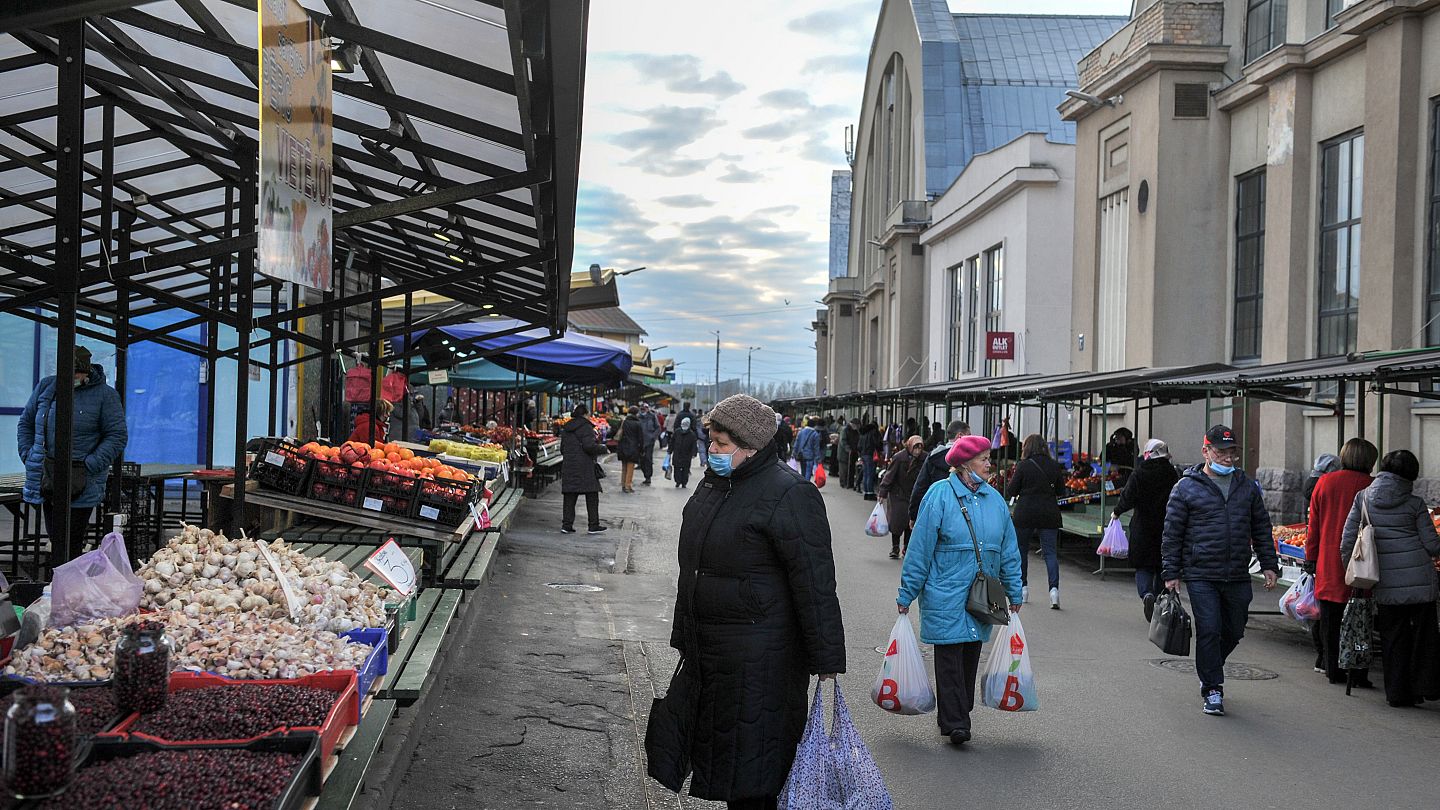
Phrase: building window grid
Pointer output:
(1432, 234)
(1333, 7)
(972, 308)
(995, 300)
(1249, 265)
(1342, 172)
(956, 355)
(1264, 27)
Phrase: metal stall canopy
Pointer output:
(568, 358)
(485, 375)
(128, 160)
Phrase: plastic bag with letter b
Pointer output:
(903, 685)
(95, 585)
(833, 771)
(1007, 681)
(878, 525)
(1115, 543)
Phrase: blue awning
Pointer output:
(569, 358)
(483, 375)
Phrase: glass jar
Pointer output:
(40, 741)
(142, 667)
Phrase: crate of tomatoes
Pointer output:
(446, 497)
(281, 466)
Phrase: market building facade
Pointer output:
(1224, 177)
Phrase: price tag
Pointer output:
(274, 459)
(481, 513)
(429, 512)
(544, 451)
(373, 504)
(292, 601)
(390, 564)
(1109, 486)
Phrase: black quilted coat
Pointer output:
(1147, 492)
(1210, 537)
(755, 616)
(579, 449)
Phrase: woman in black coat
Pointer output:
(1147, 492)
(1038, 481)
(578, 471)
(894, 491)
(755, 616)
(683, 444)
(630, 449)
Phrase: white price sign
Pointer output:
(373, 504)
(292, 601)
(274, 459)
(390, 563)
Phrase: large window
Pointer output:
(955, 343)
(1264, 27)
(995, 300)
(1333, 7)
(1112, 290)
(1342, 172)
(972, 308)
(1432, 235)
(1249, 263)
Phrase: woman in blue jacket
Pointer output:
(940, 567)
(100, 438)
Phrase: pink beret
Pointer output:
(966, 448)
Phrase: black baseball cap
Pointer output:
(1220, 436)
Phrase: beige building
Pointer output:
(1255, 184)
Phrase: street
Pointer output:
(545, 703)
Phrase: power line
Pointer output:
(726, 315)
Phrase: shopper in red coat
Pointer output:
(1330, 505)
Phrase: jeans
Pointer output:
(807, 469)
(1220, 610)
(592, 509)
(867, 481)
(1147, 580)
(1047, 539)
(955, 668)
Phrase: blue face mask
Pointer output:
(721, 463)
(1221, 469)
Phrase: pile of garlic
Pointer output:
(200, 573)
(239, 646)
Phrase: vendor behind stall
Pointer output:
(373, 431)
(99, 439)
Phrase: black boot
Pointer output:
(894, 551)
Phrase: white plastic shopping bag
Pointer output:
(1007, 681)
(903, 685)
(1114, 543)
(1299, 601)
(879, 524)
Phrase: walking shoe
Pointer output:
(894, 553)
(1054, 598)
(959, 737)
(646, 482)
(566, 530)
(1214, 703)
(1319, 669)
(1148, 600)
(597, 530)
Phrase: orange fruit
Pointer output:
(392, 457)
(406, 454)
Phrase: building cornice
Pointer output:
(1006, 186)
(1143, 63)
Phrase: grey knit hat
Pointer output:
(748, 420)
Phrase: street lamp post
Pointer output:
(715, 393)
(749, 387)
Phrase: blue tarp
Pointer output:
(483, 375)
(571, 358)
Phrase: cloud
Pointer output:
(735, 174)
(831, 21)
(835, 63)
(822, 147)
(687, 201)
(669, 129)
(802, 116)
(785, 99)
(680, 73)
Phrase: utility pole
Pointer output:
(749, 387)
(715, 394)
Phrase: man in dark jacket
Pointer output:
(578, 470)
(1214, 519)
(849, 450)
(935, 468)
(649, 432)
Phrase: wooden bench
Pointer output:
(347, 780)
(412, 664)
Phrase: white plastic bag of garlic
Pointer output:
(201, 573)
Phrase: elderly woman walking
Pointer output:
(1406, 546)
(580, 471)
(894, 492)
(957, 516)
(1147, 492)
(755, 616)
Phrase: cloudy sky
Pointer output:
(710, 133)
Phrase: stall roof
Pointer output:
(569, 358)
(1392, 365)
(485, 375)
(460, 119)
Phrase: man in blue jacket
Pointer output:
(807, 448)
(936, 468)
(100, 438)
(1214, 519)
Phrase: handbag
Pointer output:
(987, 602)
(1363, 571)
(1357, 629)
(79, 476)
(599, 471)
(670, 728)
(1170, 626)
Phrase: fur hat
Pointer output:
(749, 421)
(966, 448)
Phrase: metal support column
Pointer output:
(274, 361)
(405, 369)
(1340, 416)
(244, 319)
(377, 325)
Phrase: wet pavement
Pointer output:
(544, 700)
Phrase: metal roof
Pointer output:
(460, 117)
(1395, 366)
(610, 320)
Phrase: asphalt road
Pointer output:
(545, 703)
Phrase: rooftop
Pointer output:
(609, 320)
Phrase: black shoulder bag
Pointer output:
(79, 476)
(987, 602)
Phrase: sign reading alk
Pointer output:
(999, 345)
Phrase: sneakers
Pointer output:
(566, 530)
(894, 553)
(597, 530)
(1148, 600)
(959, 737)
(1054, 598)
(1025, 594)
(1214, 703)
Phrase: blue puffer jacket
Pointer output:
(940, 563)
(1210, 538)
(807, 444)
(100, 434)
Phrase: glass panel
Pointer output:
(1326, 287)
(1357, 176)
(1329, 183)
(17, 363)
(1353, 269)
(1343, 181)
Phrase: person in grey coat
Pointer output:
(1407, 545)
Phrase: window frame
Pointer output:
(993, 264)
(1275, 12)
(972, 308)
(1333, 7)
(1255, 299)
(1352, 226)
(1432, 233)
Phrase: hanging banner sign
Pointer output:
(295, 147)
(999, 345)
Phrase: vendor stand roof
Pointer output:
(571, 358)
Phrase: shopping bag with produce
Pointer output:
(878, 525)
(96, 585)
(1007, 682)
(903, 685)
(1299, 600)
(819, 476)
(1114, 543)
(834, 770)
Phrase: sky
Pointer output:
(710, 133)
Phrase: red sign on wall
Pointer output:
(999, 345)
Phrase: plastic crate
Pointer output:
(387, 503)
(304, 782)
(279, 465)
(389, 483)
(337, 472)
(377, 663)
(345, 712)
(437, 500)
